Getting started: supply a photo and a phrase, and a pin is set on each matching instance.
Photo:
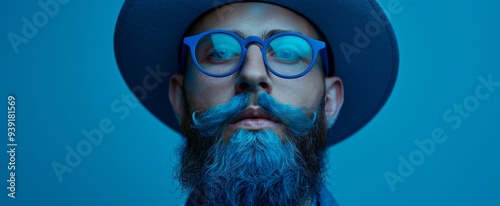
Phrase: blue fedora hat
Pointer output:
(149, 33)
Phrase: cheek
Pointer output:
(305, 91)
(204, 92)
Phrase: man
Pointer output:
(255, 89)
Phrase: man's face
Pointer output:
(254, 19)
(200, 93)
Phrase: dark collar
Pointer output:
(325, 199)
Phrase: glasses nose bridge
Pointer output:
(253, 40)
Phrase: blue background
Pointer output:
(65, 80)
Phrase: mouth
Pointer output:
(254, 118)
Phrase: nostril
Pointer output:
(264, 85)
(244, 86)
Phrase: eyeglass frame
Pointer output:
(316, 45)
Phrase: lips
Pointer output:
(254, 118)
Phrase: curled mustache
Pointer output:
(214, 120)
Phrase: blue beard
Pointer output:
(253, 167)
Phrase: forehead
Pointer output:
(253, 19)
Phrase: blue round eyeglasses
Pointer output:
(289, 55)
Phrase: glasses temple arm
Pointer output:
(326, 66)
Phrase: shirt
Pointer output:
(324, 199)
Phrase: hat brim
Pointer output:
(148, 35)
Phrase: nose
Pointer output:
(253, 76)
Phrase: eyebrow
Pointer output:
(265, 34)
